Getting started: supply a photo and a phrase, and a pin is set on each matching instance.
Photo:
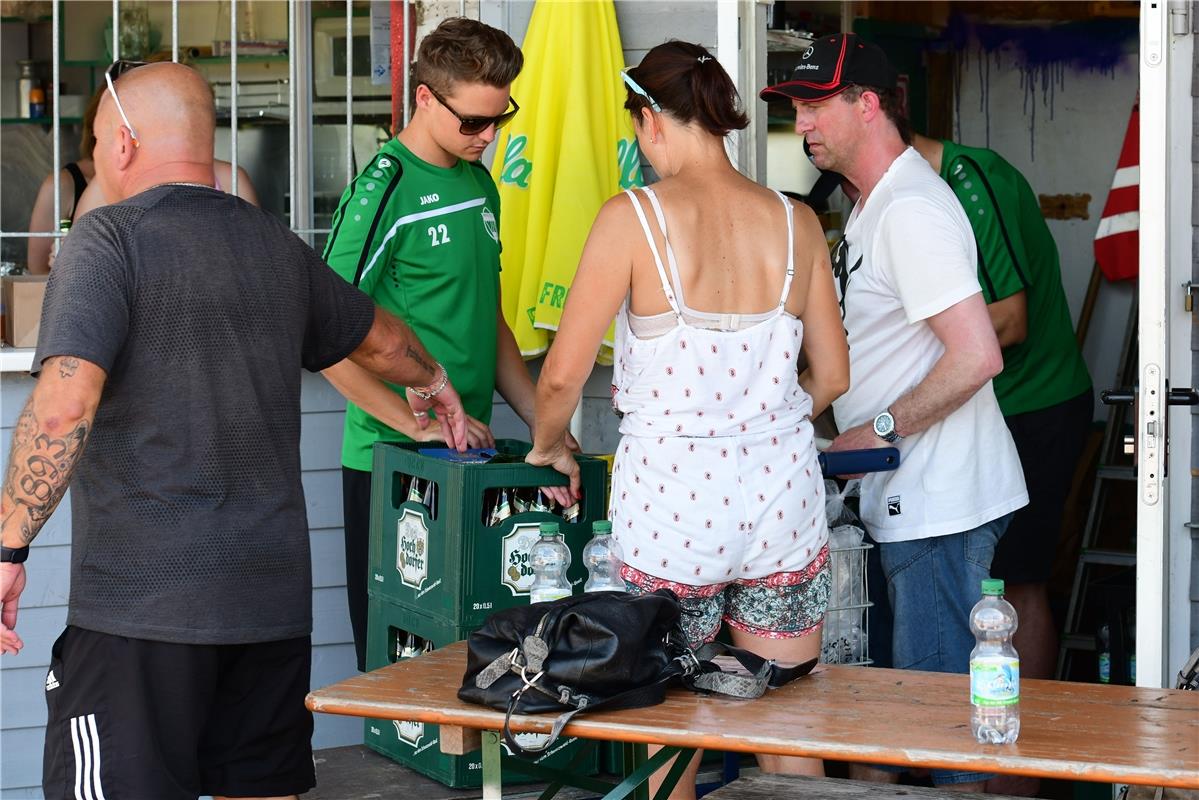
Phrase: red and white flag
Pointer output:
(1117, 240)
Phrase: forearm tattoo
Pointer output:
(416, 356)
(40, 465)
(67, 367)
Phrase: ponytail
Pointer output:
(689, 84)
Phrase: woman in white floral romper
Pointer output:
(716, 492)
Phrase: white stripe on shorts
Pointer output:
(86, 740)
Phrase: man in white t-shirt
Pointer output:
(922, 354)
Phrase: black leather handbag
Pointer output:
(606, 650)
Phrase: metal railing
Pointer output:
(299, 208)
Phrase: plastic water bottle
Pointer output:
(602, 557)
(550, 559)
(994, 668)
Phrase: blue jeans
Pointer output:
(933, 584)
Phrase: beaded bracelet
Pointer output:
(426, 393)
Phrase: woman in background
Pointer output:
(78, 195)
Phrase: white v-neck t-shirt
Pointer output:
(909, 254)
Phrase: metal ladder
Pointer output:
(1114, 465)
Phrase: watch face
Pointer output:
(884, 424)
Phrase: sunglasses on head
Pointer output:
(471, 126)
(114, 71)
(636, 88)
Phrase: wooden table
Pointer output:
(1073, 731)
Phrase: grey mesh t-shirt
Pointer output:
(189, 522)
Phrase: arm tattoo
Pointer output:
(67, 367)
(40, 466)
(416, 356)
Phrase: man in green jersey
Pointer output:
(418, 231)
(1044, 390)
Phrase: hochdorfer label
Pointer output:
(516, 568)
(412, 549)
(409, 732)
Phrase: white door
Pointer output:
(1164, 552)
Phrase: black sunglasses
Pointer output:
(471, 126)
(119, 67)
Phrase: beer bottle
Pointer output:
(540, 502)
(429, 500)
(502, 510)
(411, 647)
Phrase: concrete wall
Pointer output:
(1065, 139)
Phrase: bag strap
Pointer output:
(697, 671)
(763, 672)
(633, 698)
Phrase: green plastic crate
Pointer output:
(453, 566)
(416, 745)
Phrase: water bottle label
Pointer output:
(1105, 668)
(994, 681)
(516, 570)
(546, 595)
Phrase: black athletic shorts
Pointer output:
(1050, 442)
(131, 719)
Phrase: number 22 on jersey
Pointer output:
(439, 234)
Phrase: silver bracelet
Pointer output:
(427, 393)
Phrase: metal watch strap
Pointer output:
(14, 555)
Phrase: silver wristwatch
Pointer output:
(884, 427)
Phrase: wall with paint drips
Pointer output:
(1054, 100)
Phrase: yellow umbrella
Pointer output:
(569, 149)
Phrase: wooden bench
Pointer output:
(794, 787)
(1071, 731)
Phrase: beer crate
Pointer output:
(416, 744)
(446, 561)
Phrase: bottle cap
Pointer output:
(601, 526)
(992, 586)
(549, 529)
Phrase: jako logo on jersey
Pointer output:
(629, 159)
(489, 224)
(425, 199)
(516, 170)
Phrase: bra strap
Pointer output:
(790, 249)
(653, 248)
(670, 259)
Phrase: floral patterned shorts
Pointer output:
(784, 605)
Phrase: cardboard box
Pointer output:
(22, 301)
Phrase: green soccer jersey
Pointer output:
(1016, 252)
(423, 242)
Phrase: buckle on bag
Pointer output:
(528, 682)
(689, 662)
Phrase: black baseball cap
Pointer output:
(831, 65)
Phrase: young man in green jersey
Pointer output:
(418, 230)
